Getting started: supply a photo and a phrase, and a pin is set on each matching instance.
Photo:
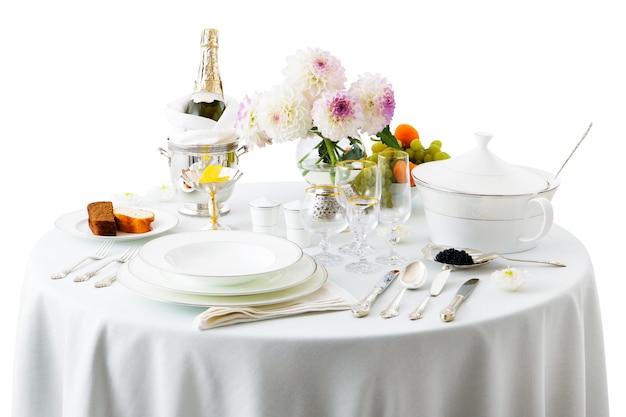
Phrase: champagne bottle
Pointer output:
(208, 97)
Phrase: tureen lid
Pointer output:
(480, 171)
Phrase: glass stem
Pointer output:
(324, 244)
(360, 246)
(214, 209)
(393, 240)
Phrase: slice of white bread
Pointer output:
(133, 220)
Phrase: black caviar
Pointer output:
(453, 256)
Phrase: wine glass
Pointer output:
(222, 181)
(363, 212)
(358, 178)
(323, 212)
(395, 200)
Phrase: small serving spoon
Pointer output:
(411, 278)
(430, 251)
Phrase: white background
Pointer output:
(83, 85)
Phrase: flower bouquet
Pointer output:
(313, 105)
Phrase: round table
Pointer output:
(83, 351)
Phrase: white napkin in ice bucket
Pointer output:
(203, 137)
(330, 297)
(175, 113)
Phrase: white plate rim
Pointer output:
(69, 223)
(153, 252)
(293, 275)
(317, 280)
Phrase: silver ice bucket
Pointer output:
(181, 155)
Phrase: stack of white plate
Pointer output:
(222, 268)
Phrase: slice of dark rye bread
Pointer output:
(101, 218)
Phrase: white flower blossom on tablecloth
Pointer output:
(162, 193)
(509, 279)
(126, 199)
(313, 100)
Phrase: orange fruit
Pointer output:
(399, 172)
(411, 166)
(405, 133)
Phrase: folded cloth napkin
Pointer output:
(175, 114)
(330, 297)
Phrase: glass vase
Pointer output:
(314, 162)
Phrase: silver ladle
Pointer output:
(479, 258)
(570, 155)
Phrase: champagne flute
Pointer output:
(323, 212)
(363, 212)
(395, 201)
(358, 178)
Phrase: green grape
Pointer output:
(418, 154)
(439, 156)
(416, 144)
(378, 147)
(433, 149)
(387, 178)
(373, 157)
(385, 198)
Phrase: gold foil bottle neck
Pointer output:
(209, 79)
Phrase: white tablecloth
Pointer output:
(83, 351)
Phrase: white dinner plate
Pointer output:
(274, 281)
(220, 253)
(150, 291)
(77, 224)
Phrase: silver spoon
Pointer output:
(411, 278)
(430, 251)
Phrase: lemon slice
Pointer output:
(212, 174)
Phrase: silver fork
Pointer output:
(126, 256)
(100, 254)
(106, 282)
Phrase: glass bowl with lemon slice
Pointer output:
(218, 182)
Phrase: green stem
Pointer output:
(332, 151)
(304, 173)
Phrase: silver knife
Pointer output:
(362, 308)
(435, 290)
(448, 313)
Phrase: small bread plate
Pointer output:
(274, 281)
(77, 223)
(315, 282)
(220, 253)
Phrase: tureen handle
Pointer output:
(483, 139)
(548, 218)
